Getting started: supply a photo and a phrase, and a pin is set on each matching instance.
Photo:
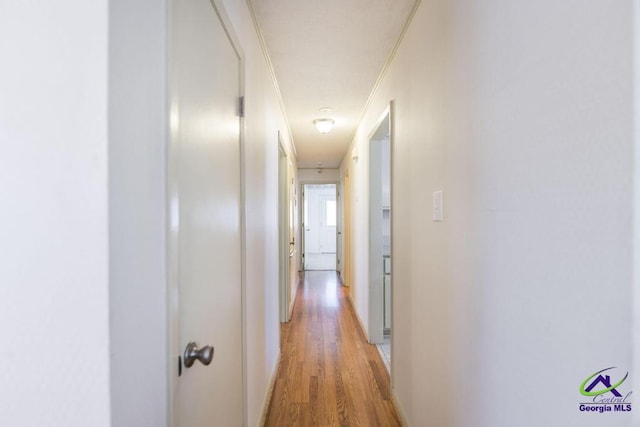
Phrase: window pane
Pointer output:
(331, 213)
(306, 213)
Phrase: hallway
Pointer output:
(154, 158)
(328, 374)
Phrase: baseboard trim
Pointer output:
(362, 328)
(394, 398)
(293, 303)
(267, 399)
(399, 409)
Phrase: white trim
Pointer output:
(292, 303)
(272, 74)
(284, 234)
(272, 385)
(374, 263)
(360, 322)
(392, 139)
(301, 218)
(388, 61)
(399, 409)
(346, 223)
(383, 72)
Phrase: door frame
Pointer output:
(284, 232)
(302, 225)
(375, 252)
(324, 200)
(174, 352)
(345, 207)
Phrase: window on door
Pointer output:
(331, 215)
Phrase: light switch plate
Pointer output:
(437, 206)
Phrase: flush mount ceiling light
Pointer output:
(324, 125)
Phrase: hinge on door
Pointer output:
(241, 106)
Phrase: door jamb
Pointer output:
(345, 214)
(374, 260)
(284, 237)
(301, 218)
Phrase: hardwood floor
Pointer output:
(328, 375)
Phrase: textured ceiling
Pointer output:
(328, 53)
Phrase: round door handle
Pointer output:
(193, 353)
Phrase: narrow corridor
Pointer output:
(329, 374)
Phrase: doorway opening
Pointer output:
(380, 237)
(346, 226)
(286, 238)
(320, 224)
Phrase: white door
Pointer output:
(205, 214)
(328, 218)
(311, 220)
(286, 235)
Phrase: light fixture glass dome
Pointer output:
(324, 125)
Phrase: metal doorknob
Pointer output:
(193, 353)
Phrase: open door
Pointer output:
(380, 232)
(346, 222)
(205, 215)
(320, 217)
(328, 222)
(286, 237)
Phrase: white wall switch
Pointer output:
(437, 206)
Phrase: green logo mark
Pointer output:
(605, 380)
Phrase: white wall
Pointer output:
(309, 176)
(54, 324)
(137, 207)
(522, 113)
(263, 119)
(83, 126)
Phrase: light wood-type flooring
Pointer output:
(328, 374)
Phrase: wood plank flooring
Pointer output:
(328, 374)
